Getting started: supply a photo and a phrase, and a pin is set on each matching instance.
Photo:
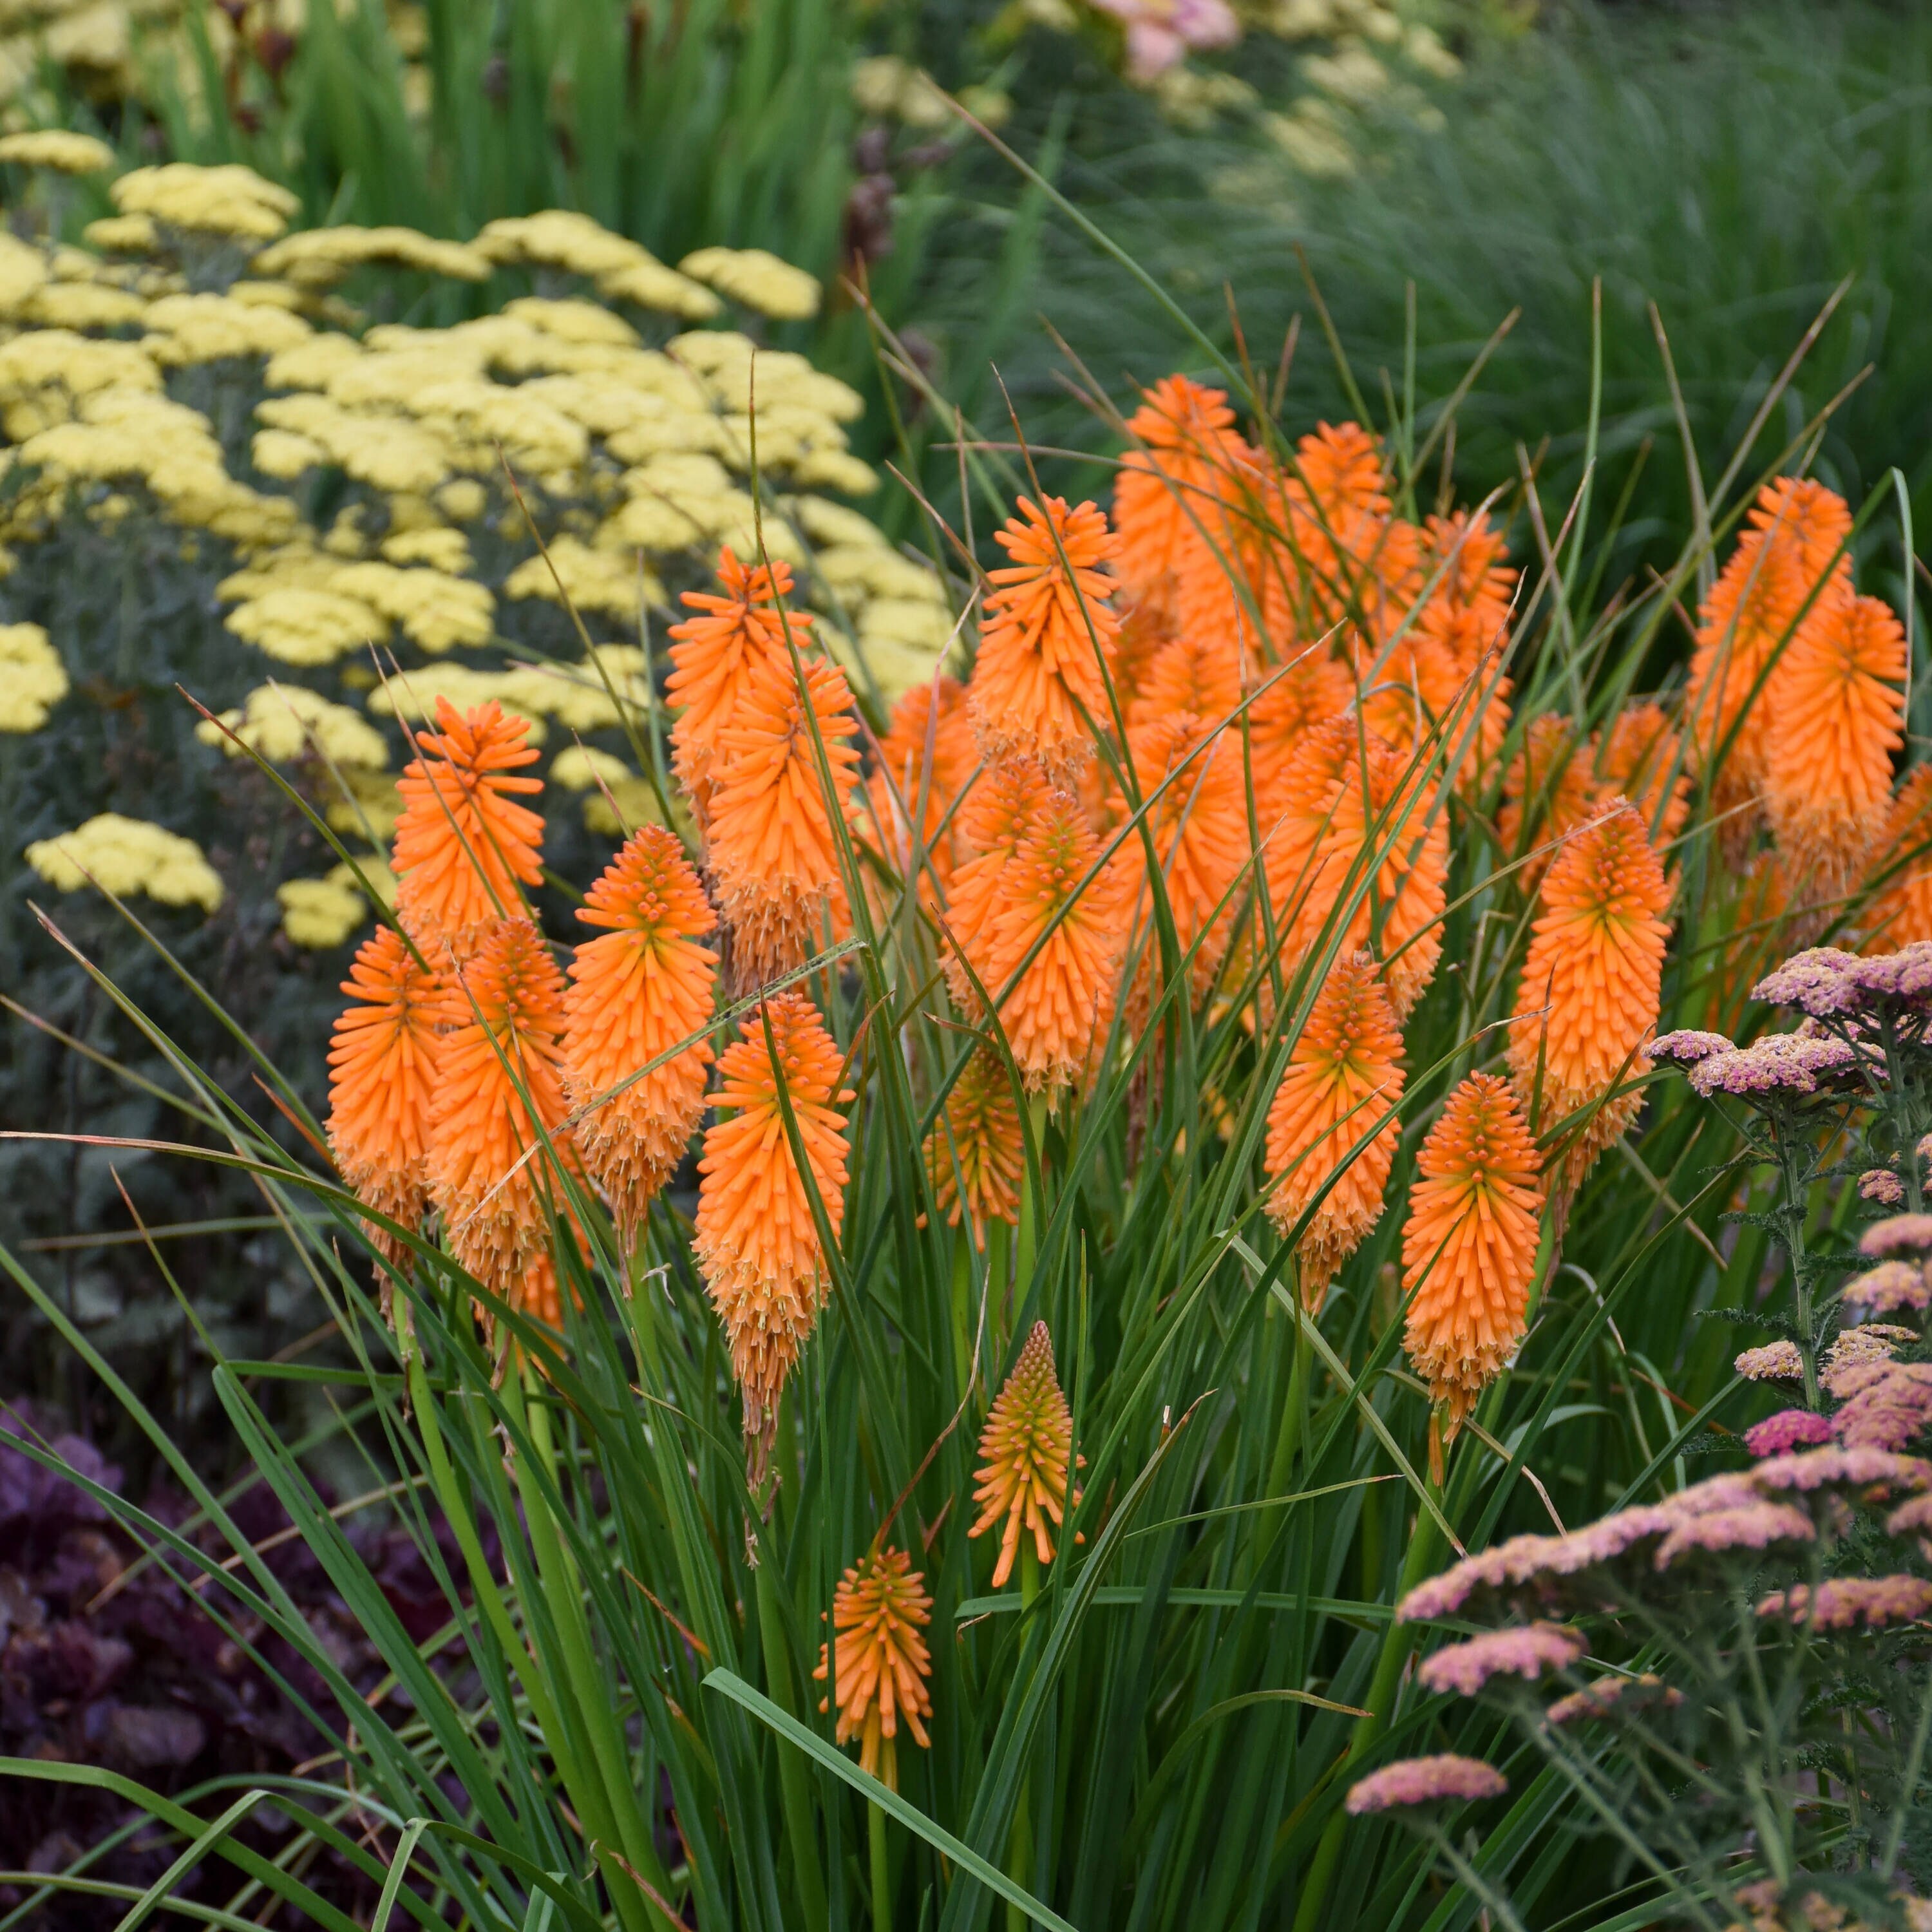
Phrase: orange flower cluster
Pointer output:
(1468, 1248)
(1588, 998)
(1026, 1455)
(976, 1157)
(1326, 1129)
(878, 1610)
(757, 1241)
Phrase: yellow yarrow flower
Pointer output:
(127, 856)
(33, 680)
(55, 148)
(284, 722)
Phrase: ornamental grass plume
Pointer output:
(499, 1094)
(1026, 1453)
(878, 1610)
(1587, 1000)
(1796, 529)
(773, 851)
(1468, 1249)
(1056, 1011)
(1006, 804)
(1900, 913)
(464, 848)
(714, 656)
(1344, 1073)
(976, 1155)
(1047, 627)
(1362, 838)
(1168, 488)
(382, 1060)
(635, 994)
(1834, 715)
(756, 1240)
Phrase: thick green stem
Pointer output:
(962, 1307)
(1019, 1867)
(1791, 1219)
(875, 1835)
(794, 1795)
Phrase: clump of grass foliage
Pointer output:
(1162, 1732)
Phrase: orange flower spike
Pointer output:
(634, 994)
(1596, 964)
(1171, 486)
(464, 848)
(994, 823)
(1058, 1011)
(1639, 759)
(714, 655)
(1310, 690)
(1468, 1248)
(1470, 552)
(1343, 1074)
(1900, 912)
(1835, 716)
(505, 1009)
(774, 854)
(1190, 674)
(977, 1159)
(381, 1061)
(878, 1609)
(1795, 530)
(756, 1240)
(1049, 610)
(928, 752)
(1548, 790)
(1026, 1453)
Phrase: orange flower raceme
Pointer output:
(505, 1009)
(464, 848)
(1026, 1453)
(635, 994)
(995, 822)
(878, 1609)
(1195, 674)
(1549, 789)
(773, 851)
(756, 1241)
(715, 656)
(1835, 715)
(1344, 1073)
(1468, 1248)
(976, 1156)
(382, 1071)
(1171, 485)
(1588, 999)
(927, 757)
(1900, 912)
(1640, 757)
(1788, 551)
(1048, 626)
(1059, 1009)
(1309, 689)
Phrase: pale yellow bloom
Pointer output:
(284, 722)
(617, 801)
(189, 329)
(592, 579)
(319, 257)
(320, 914)
(68, 154)
(127, 856)
(229, 199)
(436, 610)
(436, 545)
(121, 235)
(33, 680)
(757, 278)
(303, 626)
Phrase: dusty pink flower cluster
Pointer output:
(1887, 1404)
(1614, 1693)
(1775, 1362)
(1524, 1650)
(1824, 982)
(1897, 1235)
(1784, 1063)
(1789, 1429)
(1882, 1186)
(1889, 1289)
(1425, 1780)
(1846, 1602)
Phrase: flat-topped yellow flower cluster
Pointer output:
(374, 513)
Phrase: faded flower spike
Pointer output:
(878, 1610)
(1025, 1450)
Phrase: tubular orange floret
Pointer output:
(381, 1062)
(878, 1610)
(993, 824)
(1344, 1073)
(1469, 550)
(1641, 759)
(1796, 528)
(1026, 1455)
(498, 1092)
(714, 655)
(756, 1240)
(1362, 826)
(1190, 780)
(976, 1156)
(1058, 1012)
(1468, 1248)
(928, 753)
(1047, 626)
(1835, 715)
(1309, 689)
(772, 848)
(1171, 485)
(1190, 674)
(1900, 910)
(464, 848)
(1588, 999)
(635, 994)
(1548, 790)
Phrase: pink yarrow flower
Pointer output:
(1527, 1651)
(1687, 1047)
(1906, 974)
(1846, 1602)
(1887, 1405)
(1789, 1429)
(1786, 1063)
(1855, 1349)
(1425, 1780)
(1753, 1526)
(1831, 1468)
(1162, 33)
(1817, 982)
(1897, 1235)
(1889, 1287)
(1611, 1693)
(1883, 1186)
(1775, 1362)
